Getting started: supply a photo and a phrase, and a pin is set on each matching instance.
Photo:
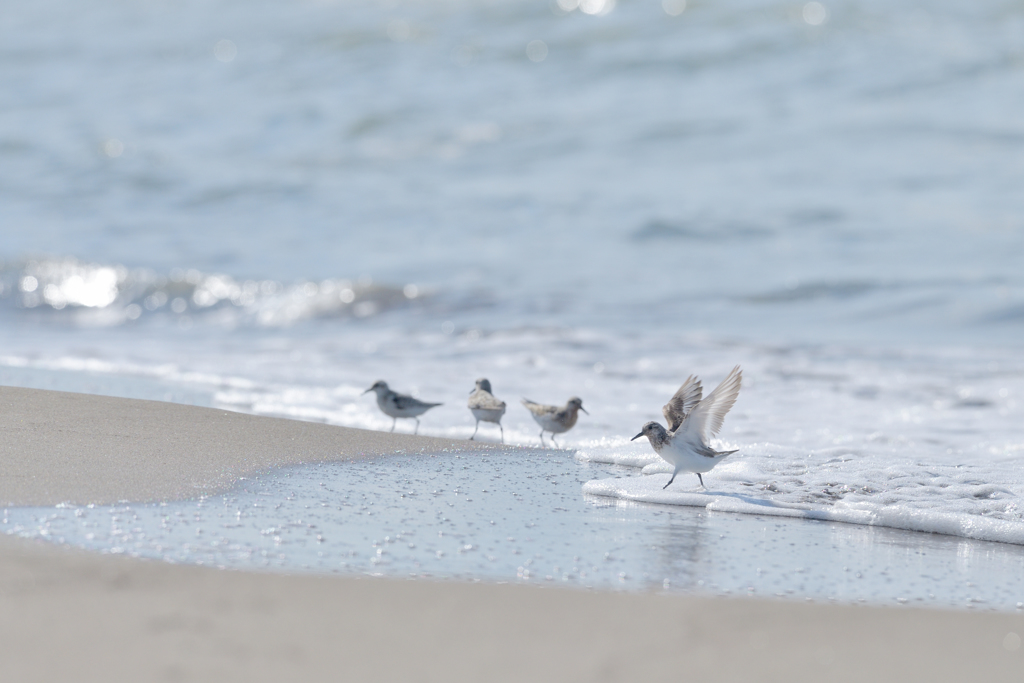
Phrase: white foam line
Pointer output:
(896, 516)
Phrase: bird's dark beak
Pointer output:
(637, 436)
(472, 390)
(584, 410)
(366, 392)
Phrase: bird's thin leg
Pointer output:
(502, 432)
(474, 430)
(553, 439)
(394, 421)
(542, 438)
(701, 480)
(671, 479)
(417, 430)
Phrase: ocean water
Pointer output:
(518, 517)
(266, 206)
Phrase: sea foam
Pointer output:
(979, 501)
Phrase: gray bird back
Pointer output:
(484, 400)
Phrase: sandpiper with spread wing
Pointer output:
(553, 418)
(396, 405)
(692, 423)
(486, 407)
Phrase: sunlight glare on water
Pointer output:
(270, 209)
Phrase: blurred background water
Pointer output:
(266, 206)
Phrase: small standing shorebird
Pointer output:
(554, 419)
(692, 423)
(396, 405)
(486, 407)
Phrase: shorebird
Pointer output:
(692, 423)
(396, 405)
(554, 419)
(486, 407)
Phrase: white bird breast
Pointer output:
(486, 414)
(680, 455)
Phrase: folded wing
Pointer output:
(403, 402)
(680, 405)
(539, 409)
(705, 420)
(482, 400)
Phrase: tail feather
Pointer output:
(533, 407)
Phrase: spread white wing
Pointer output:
(705, 420)
(680, 405)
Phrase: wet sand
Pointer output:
(63, 447)
(70, 615)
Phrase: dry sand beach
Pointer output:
(72, 615)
